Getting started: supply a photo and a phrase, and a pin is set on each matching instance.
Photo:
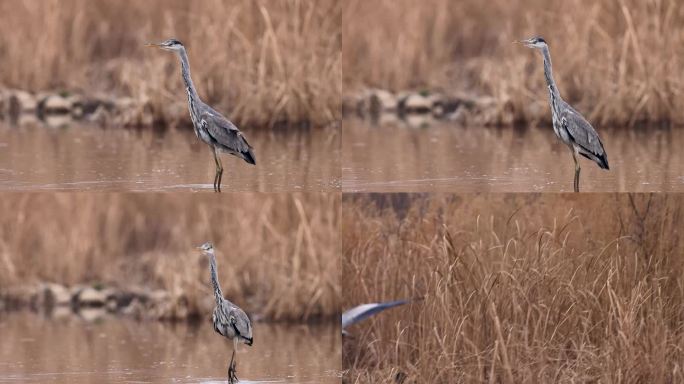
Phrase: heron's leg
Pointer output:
(232, 377)
(216, 170)
(220, 176)
(219, 172)
(577, 169)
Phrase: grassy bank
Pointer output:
(518, 288)
(616, 60)
(277, 255)
(260, 62)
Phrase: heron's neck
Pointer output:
(218, 295)
(548, 74)
(185, 71)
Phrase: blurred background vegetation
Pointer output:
(517, 288)
(618, 60)
(260, 62)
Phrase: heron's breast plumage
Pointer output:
(558, 129)
(194, 116)
(221, 324)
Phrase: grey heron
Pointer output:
(364, 311)
(568, 124)
(229, 320)
(210, 126)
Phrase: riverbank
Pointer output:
(59, 109)
(466, 108)
(420, 108)
(140, 303)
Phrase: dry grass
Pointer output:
(518, 288)
(261, 62)
(277, 254)
(618, 60)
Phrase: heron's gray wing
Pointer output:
(364, 311)
(225, 135)
(240, 325)
(584, 136)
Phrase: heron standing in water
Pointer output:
(229, 320)
(568, 124)
(210, 126)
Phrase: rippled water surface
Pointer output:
(447, 157)
(37, 349)
(38, 157)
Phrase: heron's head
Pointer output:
(168, 45)
(207, 247)
(534, 42)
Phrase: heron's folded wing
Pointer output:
(582, 132)
(225, 133)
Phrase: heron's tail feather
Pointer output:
(249, 157)
(602, 161)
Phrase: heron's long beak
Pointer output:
(527, 43)
(152, 45)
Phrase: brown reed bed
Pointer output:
(260, 62)
(616, 60)
(277, 254)
(517, 288)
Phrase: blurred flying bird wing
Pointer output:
(364, 311)
(584, 135)
(226, 136)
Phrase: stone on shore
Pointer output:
(22, 102)
(90, 297)
(382, 101)
(55, 104)
(416, 103)
(56, 295)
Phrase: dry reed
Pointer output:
(617, 60)
(518, 288)
(277, 254)
(261, 62)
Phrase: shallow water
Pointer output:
(447, 157)
(37, 349)
(77, 156)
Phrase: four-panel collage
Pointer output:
(341, 191)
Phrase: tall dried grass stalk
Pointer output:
(618, 60)
(277, 254)
(261, 62)
(517, 288)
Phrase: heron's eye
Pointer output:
(232, 319)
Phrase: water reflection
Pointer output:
(36, 349)
(447, 157)
(87, 157)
